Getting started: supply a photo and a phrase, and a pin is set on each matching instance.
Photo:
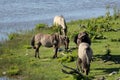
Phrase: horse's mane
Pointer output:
(82, 37)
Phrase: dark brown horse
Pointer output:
(82, 37)
(49, 40)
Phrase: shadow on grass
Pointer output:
(77, 76)
(105, 58)
(75, 73)
(112, 58)
(108, 70)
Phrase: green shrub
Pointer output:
(67, 58)
(39, 26)
(56, 28)
(12, 36)
(72, 35)
(13, 70)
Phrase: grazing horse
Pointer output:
(85, 54)
(82, 37)
(49, 40)
(60, 22)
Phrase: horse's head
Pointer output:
(66, 42)
(83, 37)
(61, 40)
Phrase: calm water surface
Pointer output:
(17, 15)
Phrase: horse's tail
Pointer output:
(75, 38)
(87, 60)
(33, 42)
(88, 55)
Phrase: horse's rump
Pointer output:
(84, 51)
(85, 55)
(59, 21)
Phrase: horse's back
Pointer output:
(84, 50)
(58, 19)
(47, 41)
(44, 39)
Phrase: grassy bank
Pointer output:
(17, 60)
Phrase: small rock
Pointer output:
(117, 62)
(60, 49)
(26, 54)
(101, 78)
(118, 78)
(112, 73)
(104, 60)
(4, 73)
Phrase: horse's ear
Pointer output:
(86, 33)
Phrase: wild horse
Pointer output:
(49, 40)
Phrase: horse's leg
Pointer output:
(64, 32)
(55, 51)
(87, 70)
(37, 50)
(60, 30)
(78, 63)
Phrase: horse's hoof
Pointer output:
(53, 57)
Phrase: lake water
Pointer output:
(17, 15)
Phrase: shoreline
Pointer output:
(29, 25)
(16, 54)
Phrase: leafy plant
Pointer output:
(67, 58)
(12, 36)
(108, 51)
(39, 26)
(13, 70)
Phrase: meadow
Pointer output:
(17, 60)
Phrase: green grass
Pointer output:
(17, 60)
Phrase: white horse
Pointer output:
(60, 22)
(85, 54)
